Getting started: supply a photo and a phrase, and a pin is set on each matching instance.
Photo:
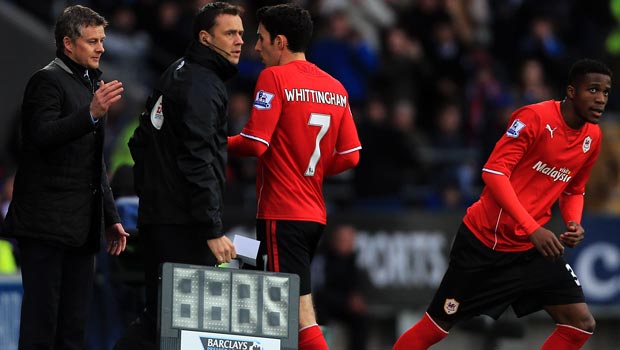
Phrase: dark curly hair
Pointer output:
(585, 66)
(289, 20)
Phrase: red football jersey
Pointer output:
(303, 115)
(543, 157)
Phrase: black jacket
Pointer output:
(179, 147)
(61, 191)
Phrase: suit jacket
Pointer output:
(61, 191)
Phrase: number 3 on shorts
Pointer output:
(322, 120)
(570, 270)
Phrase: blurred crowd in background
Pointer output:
(432, 84)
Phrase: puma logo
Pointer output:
(550, 130)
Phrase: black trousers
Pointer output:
(170, 243)
(58, 283)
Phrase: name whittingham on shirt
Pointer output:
(315, 96)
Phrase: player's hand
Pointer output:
(573, 235)
(223, 249)
(104, 97)
(547, 243)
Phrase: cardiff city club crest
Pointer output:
(451, 306)
(587, 142)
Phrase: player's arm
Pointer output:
(571, 203)
(508, 152)
(571, 207)
(342, 162)
(255, 137)
(241, 146)
(502, 191)
(504, 194)
(348, 146)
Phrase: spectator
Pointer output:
(170, 33)
(367, 17)
(404, 68)
(6, 195)
(414, 168)
(128, 45)
(378, 180)
(544, 43)
(339, 295)
(7, 249)
(532, 84)
(454, 163)
(484, 90)
(341, 52)
(241, 171)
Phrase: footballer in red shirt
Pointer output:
(544, 159)
(502, 255)
(301, 114)
(301, 129)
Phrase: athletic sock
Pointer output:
(311, 338)
(566, 337)
(421, 335)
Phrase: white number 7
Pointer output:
(322, 120)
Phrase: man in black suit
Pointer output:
(62, 200)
